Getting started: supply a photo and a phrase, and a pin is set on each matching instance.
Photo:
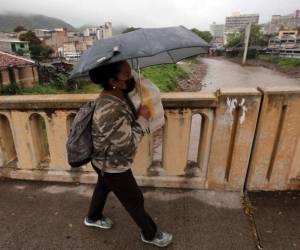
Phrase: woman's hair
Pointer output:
(102, 74)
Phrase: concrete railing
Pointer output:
(230, 139)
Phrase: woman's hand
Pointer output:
(144, 111)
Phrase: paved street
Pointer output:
(43, 215)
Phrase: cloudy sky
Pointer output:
(150, 13)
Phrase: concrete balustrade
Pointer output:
(233, 134)
(275, 160)
(248, 137)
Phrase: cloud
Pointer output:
(150, 13)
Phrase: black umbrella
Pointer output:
(142, 48)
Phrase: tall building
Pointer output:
(237, 22)
(217, 30)
(264, 27)
(57, 38)
(288, 21)
(42, 34)
(101, 32)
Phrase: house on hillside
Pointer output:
(17, 69)
(15, 46)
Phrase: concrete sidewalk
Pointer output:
(47, 215)
(277, 218)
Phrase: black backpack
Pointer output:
(79, 144)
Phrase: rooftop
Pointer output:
(8, 59)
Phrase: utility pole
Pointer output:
(247, 37)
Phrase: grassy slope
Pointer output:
(285, 63)
(164, 76)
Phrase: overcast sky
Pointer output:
(150, 13)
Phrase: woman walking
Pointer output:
(117, 131)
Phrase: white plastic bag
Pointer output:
(149, 94)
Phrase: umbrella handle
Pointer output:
(139, 84)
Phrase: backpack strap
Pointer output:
(132, 107)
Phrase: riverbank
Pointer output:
(288, 66)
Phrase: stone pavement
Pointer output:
(48, 215)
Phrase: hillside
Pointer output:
(9, 21)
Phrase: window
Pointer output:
(13, 47)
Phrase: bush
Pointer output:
(251, 54)
(232, 53)
(219, 52)
(60, 80)
(11, 89)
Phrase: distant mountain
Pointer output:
(83, 27)
(9, 21)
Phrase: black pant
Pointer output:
(124, 186)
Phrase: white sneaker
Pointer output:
(161, 239)
(104, 223)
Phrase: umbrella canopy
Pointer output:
(142, 48)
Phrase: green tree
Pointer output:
(38, 49)
(234, 39)
(205, 35)
(20, 28)
(257, 38)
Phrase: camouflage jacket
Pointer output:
(116, 134)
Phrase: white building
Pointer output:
(101, 32)
(217, 30)
(290, 21)
(42, 34)
(237, 22)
